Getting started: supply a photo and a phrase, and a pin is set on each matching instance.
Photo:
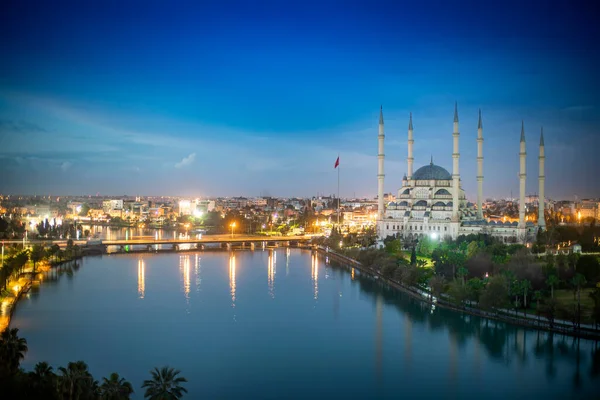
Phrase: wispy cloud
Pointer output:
(65, 166)
(186, 161)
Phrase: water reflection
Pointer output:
(271, 265)
(408, 328)
(287, 261)
(503, 343)
(315, 274)
(197, 272)
(141, 278)
(232, 277)
(495, 350)
(184, 265)
(379, 341)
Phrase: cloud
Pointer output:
(13, 126)
(65, 166)
(186, 161)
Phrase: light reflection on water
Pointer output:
(141, 278)
(391, 340)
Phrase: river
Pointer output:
(284, 323)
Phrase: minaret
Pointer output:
(542, 178)
(455, 173)
(479, 168)
(522, 177)
(380, 173)
(410, 158)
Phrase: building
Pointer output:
(112, 205)
(431, 201)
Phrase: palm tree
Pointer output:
(76, 382)
(164, 385)
(42, 380)
(12, 350)
(537, 296)
(462, 273)
(115, 388)
(37, 254)
(578, 281)
(525, 287)
(552, 281)
(42, 370)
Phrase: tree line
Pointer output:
(479, 271)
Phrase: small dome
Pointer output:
(442, 192)
(432, 171)
(421, 203)
(403, 204)
(440, 204)
(406, 191)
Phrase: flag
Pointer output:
(337, 162)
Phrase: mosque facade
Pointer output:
(431, 201)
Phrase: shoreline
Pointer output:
(11, 305)
(424, 296)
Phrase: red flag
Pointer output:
(337, 162)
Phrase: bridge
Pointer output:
(151, 244)
(215, 241)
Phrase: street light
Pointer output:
(232, 226)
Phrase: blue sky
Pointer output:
(249, 98)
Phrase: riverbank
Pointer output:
(561, 327)
(21, 286)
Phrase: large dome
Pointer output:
(432, 171)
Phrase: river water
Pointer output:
(284, 323)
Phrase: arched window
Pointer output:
(421, 203)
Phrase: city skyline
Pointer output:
(226, 100)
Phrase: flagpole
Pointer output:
(338, 195)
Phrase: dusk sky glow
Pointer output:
(247, 98)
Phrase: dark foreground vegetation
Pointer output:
(74, 382)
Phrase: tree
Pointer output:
(426, 246)
(588, 266)
(578, 282)
(458, 292)
(537, 296)
(37, 254)
(164, 385)
(472, 249)
(85, 208)
(549, 309)
(552, 281)
(495, 293)
(413, 257)
(437, 283)
(525, 286)
(475, 286)
(76, 382)
(42, 380)
(462, 273)
(115, 388)
(12, 351)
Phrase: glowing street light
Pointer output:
(232, 226)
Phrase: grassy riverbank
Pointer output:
(502, 296)
(23, 267)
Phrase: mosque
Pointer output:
(431, 201)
